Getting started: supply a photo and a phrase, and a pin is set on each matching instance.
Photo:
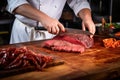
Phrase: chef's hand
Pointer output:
(87, 22)
(52, 25)
(89, 25)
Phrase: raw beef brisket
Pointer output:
(69, 42)
(80, 39)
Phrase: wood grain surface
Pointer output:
(96, 63)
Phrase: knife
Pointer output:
(68, 30)
(76, 31)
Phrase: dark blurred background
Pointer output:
(100, 8)
(6, 20)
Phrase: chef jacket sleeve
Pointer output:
(78, 5)
(13, 4)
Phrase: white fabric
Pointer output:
(24, 33)
(53, 8)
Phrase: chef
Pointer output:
(32, 14)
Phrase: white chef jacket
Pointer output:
(23, 27)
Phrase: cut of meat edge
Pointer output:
(61, 45)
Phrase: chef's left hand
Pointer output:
(89, 24)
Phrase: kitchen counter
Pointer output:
(96, 63)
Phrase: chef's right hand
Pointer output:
(52, 25)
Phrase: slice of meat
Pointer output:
(12, 58)
(69, 42)
(61, 45)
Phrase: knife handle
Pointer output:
(40, 28)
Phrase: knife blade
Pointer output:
(76, 31)
(68, 30)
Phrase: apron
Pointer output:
(24, 33)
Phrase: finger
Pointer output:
(61, 27)
(57, 29)
(49, 30)
(93, 29)
(91, 36)
(53, 30)
(90, 30)
(83, 26)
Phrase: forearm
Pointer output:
(85, 14)
(52, 25)
(30, 12)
